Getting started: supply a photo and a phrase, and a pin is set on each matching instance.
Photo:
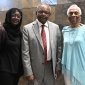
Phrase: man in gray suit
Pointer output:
(41, 64)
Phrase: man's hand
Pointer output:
(58, 73)
(30, 78)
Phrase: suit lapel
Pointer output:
(50, 33)
(37, 33)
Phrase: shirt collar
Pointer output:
(39, 23)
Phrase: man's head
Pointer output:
(43, 13)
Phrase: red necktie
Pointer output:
(43, 35)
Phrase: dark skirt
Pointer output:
(7, 78)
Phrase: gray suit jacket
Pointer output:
(32, 49)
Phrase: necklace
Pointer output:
(72, 36)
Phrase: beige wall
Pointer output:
(28, 8)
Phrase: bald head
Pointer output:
(43, 13)
(41, 6)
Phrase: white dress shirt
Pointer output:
(47, 38)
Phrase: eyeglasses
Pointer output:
(43, 12)
(73, 13)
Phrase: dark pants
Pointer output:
(7, 78)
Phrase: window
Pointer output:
(50, 2)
